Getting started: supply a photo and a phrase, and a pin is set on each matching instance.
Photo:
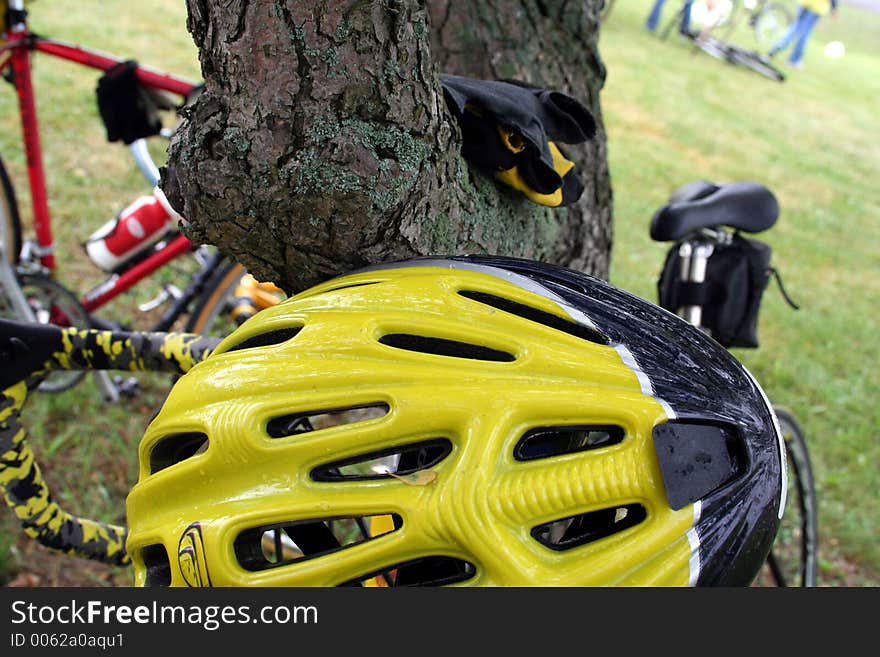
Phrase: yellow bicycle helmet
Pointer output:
(468, 420)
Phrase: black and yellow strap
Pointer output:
(27, 353)
(27, 494)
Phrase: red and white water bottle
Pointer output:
(140, 225)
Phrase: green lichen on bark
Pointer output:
(322, 142)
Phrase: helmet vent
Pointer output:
(535, 315)
(427, 571)
(275, 545)
(585, 528)
(297, 423)
(399, 461)
(157, 565)
(267, 339)
(545, 442)
(175, 449)
(444, 347)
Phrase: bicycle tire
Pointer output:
(714, 48)
(10, 220)
(724, 24)
(754, 61)
(211, 314)
(49, 300)
(793, 559)
(218, 311)
(771, 23)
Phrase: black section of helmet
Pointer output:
(704, 385)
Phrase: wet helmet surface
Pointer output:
(467, 420)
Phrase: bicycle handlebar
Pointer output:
(27, 354)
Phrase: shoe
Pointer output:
(795, 64)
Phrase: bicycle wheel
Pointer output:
(771, 23)
(10, 222)
(719, 20)
(793, 557)
(49, 301)
(605, 11)
(754, 62)
(53, 303)
(714, 47)
(219, 310)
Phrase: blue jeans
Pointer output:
(799, 32)
(654, 17)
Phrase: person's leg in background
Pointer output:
(654, 17)
(790, 34)
(685, 26)
(797, 53)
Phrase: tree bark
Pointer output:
(322, 142)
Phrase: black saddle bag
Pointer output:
(736, 276)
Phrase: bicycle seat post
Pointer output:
(694, 255)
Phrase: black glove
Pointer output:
(128, 109)
(511, 130)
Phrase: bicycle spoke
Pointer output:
(53, 304)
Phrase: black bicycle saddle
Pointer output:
(746, 206)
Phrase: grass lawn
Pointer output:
(671, 116)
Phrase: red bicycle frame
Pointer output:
(21, 42)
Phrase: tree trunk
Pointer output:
(322, 142)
